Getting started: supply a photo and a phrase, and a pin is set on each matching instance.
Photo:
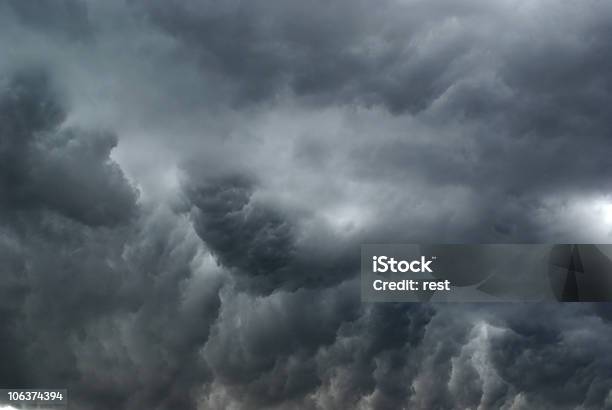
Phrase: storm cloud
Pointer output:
(185, 185)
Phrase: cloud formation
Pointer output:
(184, 187)
(47, 166)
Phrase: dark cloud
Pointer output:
(395, 356)
(48, 166)
(409, 56)
(245, 235)
(116, 316)
(203, 252)
(343, 50)
(66, 18)
(265, 349)
(539, 357)
(98, 296)
(262, 243)
(494, 102)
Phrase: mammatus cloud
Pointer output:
(184, 187)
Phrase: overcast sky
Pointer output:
(184, 187)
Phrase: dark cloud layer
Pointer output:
(184, 186)
(45, 165)
(260, 243)
(504, 105)
(64, 18)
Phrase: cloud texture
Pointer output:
(184, 186)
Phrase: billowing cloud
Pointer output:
(48, 166)
(263, 245)
(184, 187)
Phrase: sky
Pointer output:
(185, 186)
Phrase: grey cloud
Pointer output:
(264, 348)
(414, 356)
(245, 235)
(307, 129)
(539, 358)
(323, 50)
(68, 18)
(262, 244)
(506, 106)
(469, 58)
(494, 101)
(117, 315)
(98, 295)
(287, 348)
(48, 166)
